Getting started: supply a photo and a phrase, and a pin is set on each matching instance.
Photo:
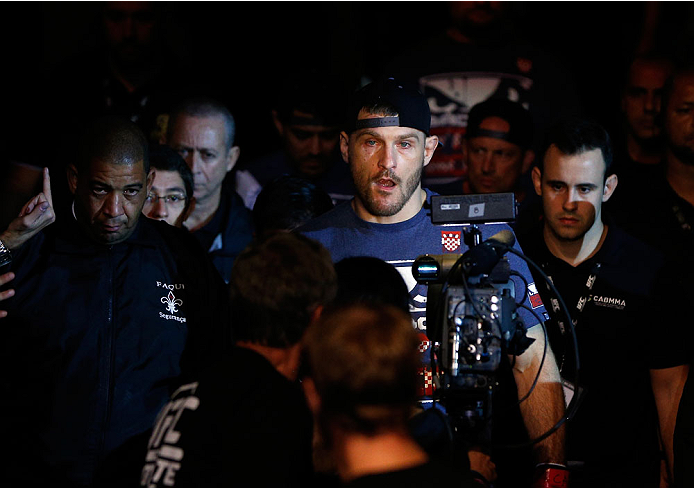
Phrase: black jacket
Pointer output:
(95, 338)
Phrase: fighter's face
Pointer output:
(109, 198)
(641, 98)
(679, 119)
(572, 188)
(167, 199)
(386, 165)
(494, 165)
(201, 141)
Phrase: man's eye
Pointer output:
(130, 192)
(174, 198)
(100, 191)
(370, 142)
(555, 187)
(584, 189)
(405, 145)
(208, 155)
(183, 152)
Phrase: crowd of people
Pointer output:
(177, 315)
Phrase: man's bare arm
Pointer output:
(667, 385)
(545, 406)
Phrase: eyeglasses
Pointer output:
(175, 200)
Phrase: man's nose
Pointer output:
(388, 157)
(113, 206)
(315, 144)
(159, 209)
(570, 200)
(193, 161)
(651, 103)
(488, 163)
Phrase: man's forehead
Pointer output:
(205, 125)
(584, 162)
(683, 89)
(390, 133)
(103, 169)
(168, 180)
(648, 73)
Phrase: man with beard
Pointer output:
(613, 286)
(387, 145)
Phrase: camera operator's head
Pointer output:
(363, 361)
(277, 285)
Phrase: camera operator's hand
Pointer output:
(36, 214)
(550, 475)
(4, 278)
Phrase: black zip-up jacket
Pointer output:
(95, 338)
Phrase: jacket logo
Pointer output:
(609, 302)
(171, 301)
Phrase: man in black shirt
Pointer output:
(245, 417)
(614, 287)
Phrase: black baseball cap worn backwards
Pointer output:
(406, 99)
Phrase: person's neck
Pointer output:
(409, 210)
(642, 153)
(680, 177)
(203, 212)
(580, 250)
(284, 360)
(359, 455)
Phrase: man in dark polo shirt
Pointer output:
(614, 287)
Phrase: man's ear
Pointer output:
(528, 159)
(537, 180)
(312, 397)
(150, 179)
(278, 123)
(72, 177)
(430, 145)
(344, 146)
(610, 185)
(232, 157)
(188, 211)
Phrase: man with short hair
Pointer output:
(245, 417)
(641, 108)
(614, 287)
(387, 145)
(202, 131)
(308, 114)
(109, 310)
(361, 385)
(171, 197)
(498, 147)
(640, 155)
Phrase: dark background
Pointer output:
(243, 49)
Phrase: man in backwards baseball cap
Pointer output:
(387, 143)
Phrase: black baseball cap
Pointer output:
(405, 98)
(518, 118)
